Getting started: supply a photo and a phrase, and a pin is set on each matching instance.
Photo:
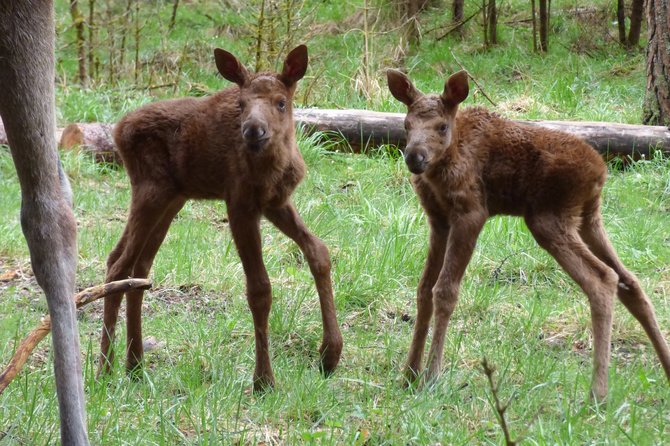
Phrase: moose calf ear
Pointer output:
(456, 89)
(229, 67)
(401, 87)
(295, 66)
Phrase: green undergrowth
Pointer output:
(517, 309)
(586, 75)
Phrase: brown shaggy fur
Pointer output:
(238, 146)
(471, 165)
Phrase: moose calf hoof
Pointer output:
(135, 371)
(330, 357)
(431, 376)
(263, 384)
(598, 397)
(411, 378)
(104, 368)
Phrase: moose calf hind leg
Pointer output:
(319, 261)
(561, 239)
(629, 291)
(638, 304)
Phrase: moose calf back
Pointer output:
(523, 168)
(195, 147)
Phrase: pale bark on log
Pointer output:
(42, 330)
(93, 138)
(363, 129)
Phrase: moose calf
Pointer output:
(473, 164)
(239, 146)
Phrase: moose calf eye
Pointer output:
(281, 105)
(444, 128)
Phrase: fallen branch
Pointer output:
(36, 335)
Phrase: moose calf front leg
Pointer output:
(460, 245)
(424, 301)
(287, 220)
(245, 227)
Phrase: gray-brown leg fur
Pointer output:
(27, 110)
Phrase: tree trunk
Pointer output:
(94, 138)
(485, 23)
(636, 16)
(91, 40)
(621, 20)
(544, 25)
(493, 22)
(457, 8)
(533, 16)
(414, 7)
(78, 20)
(656, 109)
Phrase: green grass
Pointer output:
(517, 308)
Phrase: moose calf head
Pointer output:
(430, 117)
(265, 98)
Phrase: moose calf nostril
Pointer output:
(253, 132)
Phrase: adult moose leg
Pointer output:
(27, 110)
(287, 220)
(629, 290)
(461, 243)
(245, 227)
(559, 236)
(424, 299)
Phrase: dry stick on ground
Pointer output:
(34, 337)
(473, 79)
(500, 408)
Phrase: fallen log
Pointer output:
(37, 334)
(93, 138)
(363, 129)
